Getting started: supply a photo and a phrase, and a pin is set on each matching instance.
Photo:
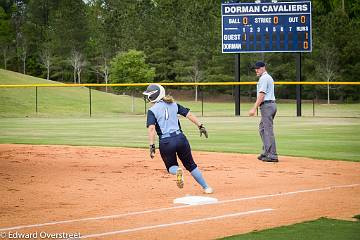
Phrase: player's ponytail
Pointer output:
(168, 99)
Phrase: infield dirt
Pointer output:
(50, 184)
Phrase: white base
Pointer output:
(195, 200)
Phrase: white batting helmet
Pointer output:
(154, 92)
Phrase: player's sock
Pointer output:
(199, 178)
(173, 169)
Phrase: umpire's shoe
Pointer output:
(268, 159)
(179, 178)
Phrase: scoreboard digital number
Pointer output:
(266, 27)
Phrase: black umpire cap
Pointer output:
(259, 65)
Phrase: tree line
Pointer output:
(176, 41)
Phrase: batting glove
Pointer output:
(202, 130)
(152, 150)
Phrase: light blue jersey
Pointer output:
(165, 117)
(173, 143)
(266, 85)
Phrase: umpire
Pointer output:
(162, 119)
(265, 99)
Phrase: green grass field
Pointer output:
(63, 118)
(323, 138)
(321, 229)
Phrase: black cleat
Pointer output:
(267, 159)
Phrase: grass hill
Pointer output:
(59, 101)
(74, 102)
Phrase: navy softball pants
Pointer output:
(174, 146)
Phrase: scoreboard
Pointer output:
(266, 27)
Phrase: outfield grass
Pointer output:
(321, 229)
(63, 118)
(285, 109)
(322, 138)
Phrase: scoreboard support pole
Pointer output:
(237, 87)
(298, 86)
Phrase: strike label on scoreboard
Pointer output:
(266, 27)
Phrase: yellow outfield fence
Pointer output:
(169, 84)
(212, 105)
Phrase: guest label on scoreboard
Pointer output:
(266, 27)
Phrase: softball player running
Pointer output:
(162, 119)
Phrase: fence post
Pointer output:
(298, 86)
(202, 103)
(144, 106)
(313, 107)
(237, 87)
(90, 101)
(36, 99)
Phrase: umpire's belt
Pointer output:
(267, 101)
(172, 134)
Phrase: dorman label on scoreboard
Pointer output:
(266, 27)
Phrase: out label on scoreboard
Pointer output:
(266, 27)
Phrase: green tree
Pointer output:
(130, 67)
(335, 54)
(69, 24)
(100, 48)
(6, 36)
(163, 48)
(118, 23)
(70, 35)
(39, 13)
(18, 18)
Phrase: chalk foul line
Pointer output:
(175, 207)
(177, 223)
